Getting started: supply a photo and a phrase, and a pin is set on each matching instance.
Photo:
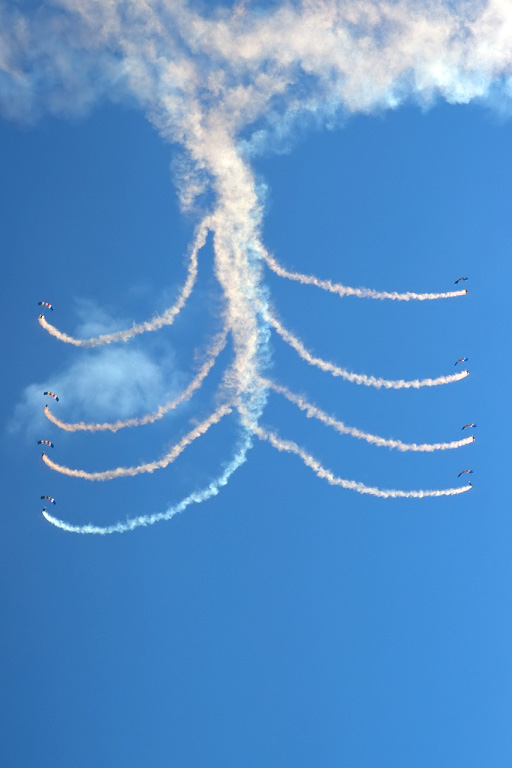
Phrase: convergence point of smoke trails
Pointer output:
(222, 84)
(278, 443)
(250, 383)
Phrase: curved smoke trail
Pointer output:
(288, 446)
(165, 319)
(197, 497)
(345, 290)
(169, 457)
(312, 411)
(225, 84)
(358, 378)
(149, 418)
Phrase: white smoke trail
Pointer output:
(360, 293)
(287, 446)
(167, 318)
(221, 84)
(358, 378)
(169, 457)
(197, 497)
(315, 412)
(149, 418)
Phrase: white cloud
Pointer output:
(111, 383)
(95, 320)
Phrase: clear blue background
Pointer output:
(284, 622)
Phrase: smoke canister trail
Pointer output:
(288, 446)
(165, 319)
(358, 378)
(149, 418)
(312, 411)
(345, 290)
(169, 457)
(197, 497)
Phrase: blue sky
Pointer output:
(284, 621)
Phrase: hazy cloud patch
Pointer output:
(111, 383)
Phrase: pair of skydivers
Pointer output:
(47, 442)
(463, 360)
(46, 304)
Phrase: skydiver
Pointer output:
(459, 279)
